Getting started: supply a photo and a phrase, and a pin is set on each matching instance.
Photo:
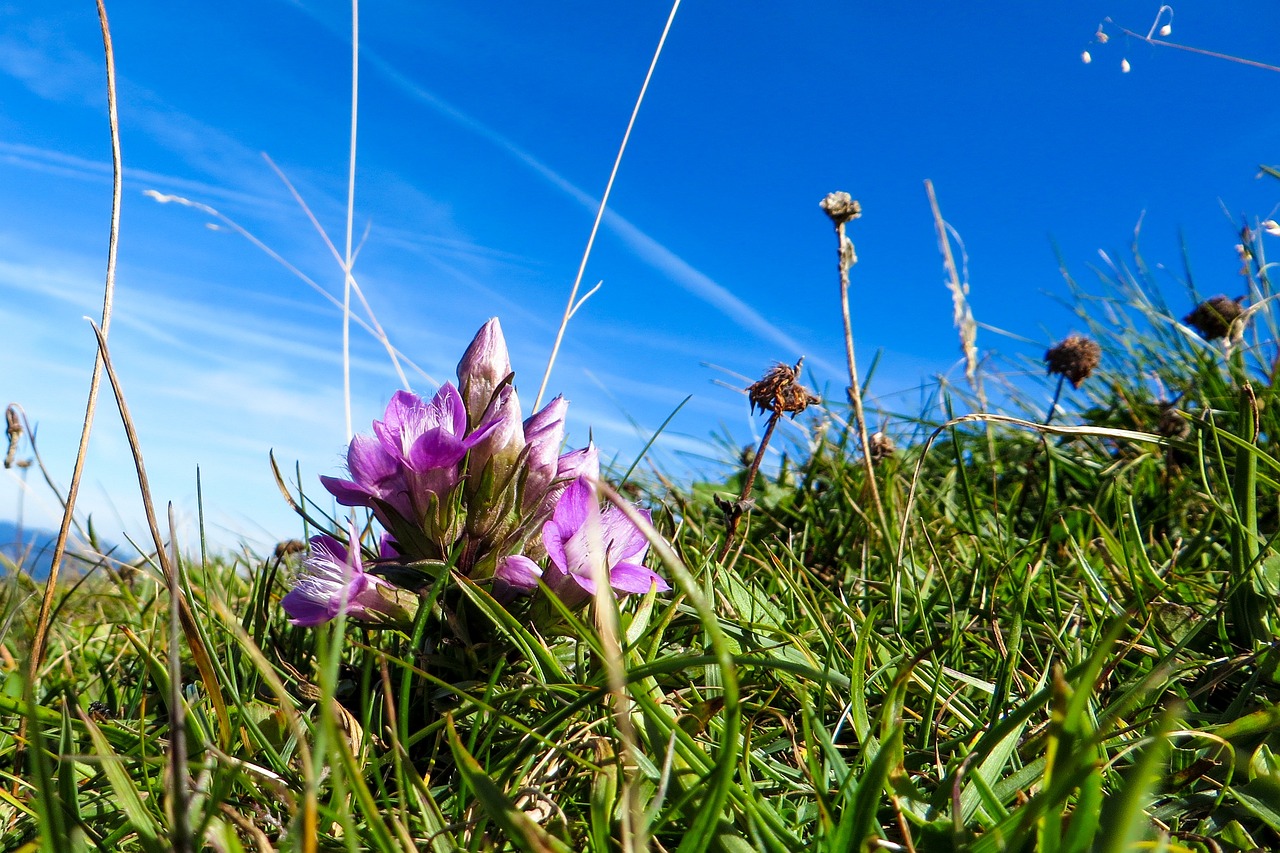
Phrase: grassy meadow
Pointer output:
(993, 624)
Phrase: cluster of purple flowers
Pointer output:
(461, 480)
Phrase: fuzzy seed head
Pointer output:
(1086, 58)
(1166, 29)
(1214, 317)
(1125, 66)
(1075, 357)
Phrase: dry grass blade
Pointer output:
(190, 629)
(60, 547)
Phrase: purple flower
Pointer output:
(484, 366)
(412, 455)
(574, 537)
(332, 581)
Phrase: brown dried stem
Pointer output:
(842, 209)
(60, 547)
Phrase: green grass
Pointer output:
(1059, 638)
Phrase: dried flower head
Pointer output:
(1271, 227)
(289, 547)
(1124, 66)
(841, 207)
(13, 429)
(1171, 423)
(1075, 358)
(880, 446)
(779, 391)
(1214, 317)
(1086, 58)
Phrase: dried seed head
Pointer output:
(841, 207)
(779, 391)
(1102, 37)
(1075, 357)
(880, 447)
(1271, 227)
(13, 429)
(1086, 58)
(1171, 423)
(1124, 66)
(1213, 317)
(289, 547)
(1166, 29)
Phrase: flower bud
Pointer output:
(502, 446)
(484, 366)
(543, 434)
(569, 467)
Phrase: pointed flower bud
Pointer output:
(574, 465)
(543, 434)
(504, 442)
(484, 366)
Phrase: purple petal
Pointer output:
(436, 448)
(632, 578)
(553, 540)
(401, 412)
(369, 462)
(448, 404)
(575, 504)
(305, 609)
(346, 492)
(623, 539)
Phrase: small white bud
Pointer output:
(1124, 66)
(1086, 58)
(1166, 29)
(1271, 227)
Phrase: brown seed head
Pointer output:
(841, 208)
(880, 447)
(778, 391)
(289, 546)
(1075, 357)
(1171, 423)
(13, 429)
(1213, 317)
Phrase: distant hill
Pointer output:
(34, 553)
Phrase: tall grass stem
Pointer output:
(108, 295)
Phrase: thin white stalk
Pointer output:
(351, 213)
(574, 303)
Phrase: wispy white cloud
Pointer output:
(645, 247)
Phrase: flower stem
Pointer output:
(734, 511)
(847, 260)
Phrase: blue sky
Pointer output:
(486, 133)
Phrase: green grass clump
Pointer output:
(1061, 635)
